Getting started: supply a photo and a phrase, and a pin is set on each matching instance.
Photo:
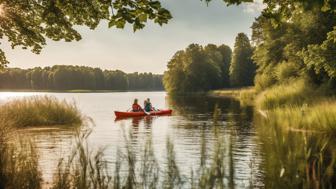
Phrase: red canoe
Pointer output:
(135, 114)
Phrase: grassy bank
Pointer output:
(299, 105)
(295, 104)
(295, 93)
(319, 117)
(39, 111)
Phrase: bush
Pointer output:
(39, 111)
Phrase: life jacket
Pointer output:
(148, 107)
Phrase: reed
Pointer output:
(319, 117)
(299, 105)
(143, 171)
(39, 111)
(18, 164)
(83, 168)
(296, 159)
(294, 93)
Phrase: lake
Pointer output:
(260, 154)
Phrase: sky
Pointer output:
(150, 49)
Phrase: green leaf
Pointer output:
(143, 18)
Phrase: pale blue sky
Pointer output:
(150, 49)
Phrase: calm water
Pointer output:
(259, 153)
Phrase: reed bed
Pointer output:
(319, 117)
(295, 93)
(87, 169)
(298, 105)
(19, 165)
(39, 111)
(296, 159)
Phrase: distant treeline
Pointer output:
(61, 77)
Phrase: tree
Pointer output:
(242, 69)
(36, 80)
(296, 36)
(195, 69)
(225, 63)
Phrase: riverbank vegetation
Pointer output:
(295, 55)
(293, 52)
(61, 77)
(299, 105)
(39, 111)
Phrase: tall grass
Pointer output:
(320, 117)
(39, 111)
(296, 159)
(18, 164)
(294, 93)
(19, 158)
(83, 168)
(299, 105)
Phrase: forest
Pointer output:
(61, 77)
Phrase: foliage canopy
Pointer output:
(28, 23)
(299, 36)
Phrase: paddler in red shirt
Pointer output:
(136, 107)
